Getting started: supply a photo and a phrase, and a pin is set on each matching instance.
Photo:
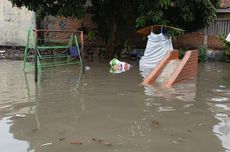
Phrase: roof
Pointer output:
(225, 4)
(223, 10)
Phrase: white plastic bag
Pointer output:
(118, 66)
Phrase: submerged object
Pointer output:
(172, 70)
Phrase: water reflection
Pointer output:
(67, 107)
(222, 129)
(219, 104)
(22, 104)
(17, 101)
(218, 101)
(184, 91)
(7, 141)
(17, 94)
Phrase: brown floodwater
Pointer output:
(67, 111)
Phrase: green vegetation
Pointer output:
(182, 52)
(226, 54)
(202, 53)
(184, 14)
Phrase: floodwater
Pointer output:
(102, 112)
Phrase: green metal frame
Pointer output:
(38, 50)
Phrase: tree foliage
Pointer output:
(113, 16)
(74, 8)
(189, 15)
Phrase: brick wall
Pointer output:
(189, 40)
(62, 23)
(225, 3)
(69, 23)
(187, 69)
(214, 43)
(195, 40)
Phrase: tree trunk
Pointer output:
(112, 39)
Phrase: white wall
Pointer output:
(14, 23)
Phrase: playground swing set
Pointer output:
(48, 48)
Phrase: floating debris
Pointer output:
(175, 142)
(102, 141)
(155, 123)
(97, 140)
(165, 109)
(76, 142)
(87, 68)
(118, 66)
(107, 143)
(61, 139)
(46, 144)
(20, 115)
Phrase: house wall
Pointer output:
(14, 23)
(70, 23)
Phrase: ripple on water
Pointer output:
(222, 129)
(223, 106)
(165, 109)
(219, 99)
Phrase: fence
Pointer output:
(218, 27)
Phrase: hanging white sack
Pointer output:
(228, 38)
(157, 47)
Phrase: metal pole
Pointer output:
(35, 54)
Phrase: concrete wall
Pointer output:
(14, 23)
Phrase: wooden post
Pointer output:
(83, 51)
(82, 44)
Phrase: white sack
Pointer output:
(228, 38)
(157, 47)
